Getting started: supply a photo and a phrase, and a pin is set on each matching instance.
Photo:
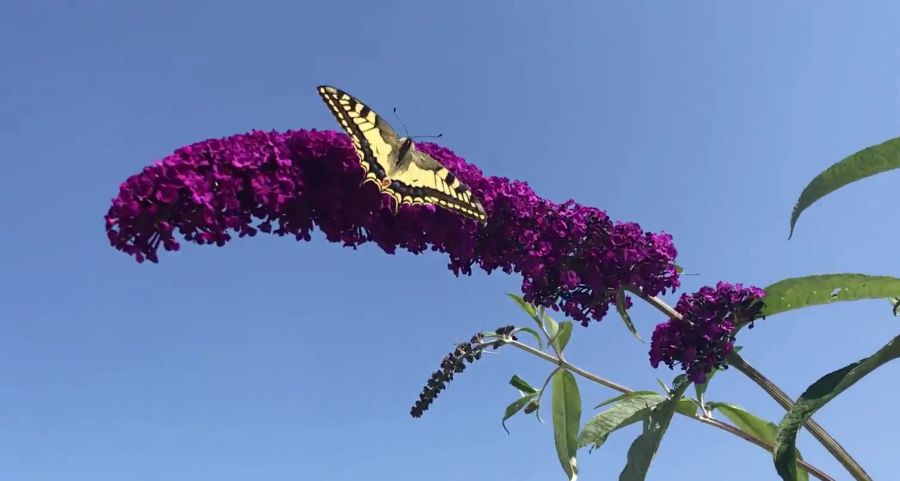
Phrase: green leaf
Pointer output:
(753, 425)
(534, 333)
(521, 385)
(816, 396)
(747, 422)
(623, 313)
(515, 407)
(628, 409)
(541, 392)
(687, 406)
(566, 420)
(561, 339)
(644, 447)
(798, 292)
(628, 395)
(528, 308)
(551, 327)
(663, 385)
(867, 162)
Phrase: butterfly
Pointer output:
(394, 164)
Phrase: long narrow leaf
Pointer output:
(816, 396)
(561, 339)
(753, 425)
(687, 406)
(628, 395)
(566, 420)
(623, 313)
(798, 292)
(521, 385)
(535, 334)
(514, 407)
(867, 162)
(551, 327)
(630, 408)
(747, 422)
(643, 449)
(528, 308)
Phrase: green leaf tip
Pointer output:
(514, 407)
(621, 300)
(865, 163)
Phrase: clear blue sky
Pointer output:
(276, 360)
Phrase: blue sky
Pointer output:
(271, 359)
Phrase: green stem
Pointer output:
(734, 359)
(816, 472)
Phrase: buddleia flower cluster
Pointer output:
(701, 340)
(455, 363)
(571, 257)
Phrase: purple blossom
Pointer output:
(571, 257)
(701, 340)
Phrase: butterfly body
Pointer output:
(394, 164)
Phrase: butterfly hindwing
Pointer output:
(394, 164)
(440, 187)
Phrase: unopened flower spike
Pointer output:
(455, 363)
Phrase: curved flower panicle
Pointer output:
(701, 340)
(571, 257)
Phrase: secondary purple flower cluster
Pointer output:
(701, 340)
(571, 257)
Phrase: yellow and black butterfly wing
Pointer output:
(417, 178)
(374, 140)
(426, 181)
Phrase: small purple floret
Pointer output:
(571, 257)
(702, 340)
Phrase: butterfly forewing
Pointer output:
(374, 140)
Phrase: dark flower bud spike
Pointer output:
(455, 363)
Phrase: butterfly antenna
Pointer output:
(429, 136)
(405, 131)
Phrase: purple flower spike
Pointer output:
(705, 336)
(571, 257)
